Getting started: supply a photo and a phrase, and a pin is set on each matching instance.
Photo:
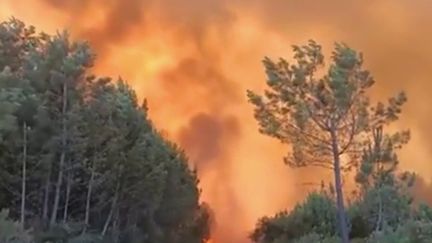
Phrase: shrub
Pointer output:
(10, 231)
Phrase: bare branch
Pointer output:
(325, 166)
(351, 136)
(310, 136)
(321, 125)
(9, 189)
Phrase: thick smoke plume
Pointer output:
(194, 60)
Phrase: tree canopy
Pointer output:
(80, 160)
(327, 118)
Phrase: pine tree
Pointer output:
(384, 197)
(322, 118)
(79, 157)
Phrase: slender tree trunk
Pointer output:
(116, 225)
(58, 189)
(380, 212)
(88, 199)
(155, 230)
(62, 156)
(46, 197)
(343, 227)
(24, 176)
(117, 220)
(112, 210)
(68, 190)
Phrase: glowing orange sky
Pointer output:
(193, 61)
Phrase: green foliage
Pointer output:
(308, 222)
(86, 238)
(316, 214)
(327, 117)
(97, 169)
(423, 213)
(10, 98)
(303, 110)
(384, 199)
(385, 206)
(10, 231)
(314, 237)
(409, 232)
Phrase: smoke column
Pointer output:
(193, 61)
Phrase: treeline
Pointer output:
(80, 161)
(328, 120)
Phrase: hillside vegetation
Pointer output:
(80, 161)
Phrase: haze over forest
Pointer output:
(194, 60)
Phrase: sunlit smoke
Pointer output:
(193, 61)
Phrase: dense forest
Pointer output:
(80, 161)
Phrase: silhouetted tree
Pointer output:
(322, 118)
(80, 161)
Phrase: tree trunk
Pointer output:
(68, 190)
(62, 157)
(116, 226)
(155, 231)
(24, 176)
(88, 199)
(380, 212)
(46, 197)
(343, 227)
(113, 208)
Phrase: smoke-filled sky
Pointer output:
(193, 60)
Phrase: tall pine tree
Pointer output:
(322, 118)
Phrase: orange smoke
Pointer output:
(193, 61)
